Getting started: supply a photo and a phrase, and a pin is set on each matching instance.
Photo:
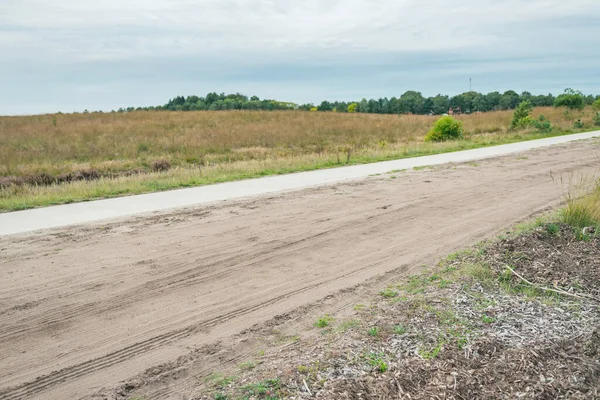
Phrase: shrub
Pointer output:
(596, 119)
(542, 124)
(571, 99)
(445, 128)
(596, 104)
(521, 118)
(161, 165)
(578, 124)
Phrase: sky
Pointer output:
(72, 55)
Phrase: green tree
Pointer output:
(440, 104)
(509, 100)
(521, 116)
(411, 102)
(571, 99)
(352, 108)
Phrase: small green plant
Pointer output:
(487, 319)
(376, 360)
(220, 396)
(389, 293)
(521, 116)
(432, 353)
(248, 365)
(359, 307)
(542, 124)
(445, 128)
(267, 387)
(400, 330)
(596, 119)
(578, 124)
(552, 229)
(324, 321)
(54, 120)
(374, 331)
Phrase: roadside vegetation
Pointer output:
(57, 159)
(515, 317)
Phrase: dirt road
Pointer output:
(84, 308)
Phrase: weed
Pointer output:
(400, 330)
(267, 387)
(374, 331)
(359, 307)
(219, 380)
(324, 321)
(428, 354)
(487, 319)
(552, 229)
(248, 365)
(261, 353)
(377, 361)
(346, 325)
(389, 293)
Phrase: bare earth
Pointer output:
(160, 301)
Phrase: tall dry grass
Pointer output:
(209, 147)
(116, 142)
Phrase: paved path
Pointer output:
(72, 214)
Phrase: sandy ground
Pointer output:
(160, 300)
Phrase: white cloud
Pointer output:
(224, 39)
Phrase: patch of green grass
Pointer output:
(324, 321)
(247, 365)
(389, 293)
(268, 387)
(552, 229)
(428, 354)
(400, 330)
(359, 307)
(219, 380)
(374, 331)
(487, 319)
(346, 325)
(377, 361)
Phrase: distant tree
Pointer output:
(352, 108)
(571, 99)
(479, 103)
(325, 106)
(492, 100)
(411, 102)
(440, 104)
(363, 106)
(509, 100)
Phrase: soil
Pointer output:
(154, 305)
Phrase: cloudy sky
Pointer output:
(70, 55)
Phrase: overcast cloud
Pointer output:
(89, 54)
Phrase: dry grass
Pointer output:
(582, 201)
(206, 147)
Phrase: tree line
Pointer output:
(411, 102)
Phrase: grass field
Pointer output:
(208, 147)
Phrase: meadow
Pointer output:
(62, 158)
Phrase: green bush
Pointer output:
(542, 124)
(596, 119)
(578, 124)
(596, 104)
(445, 128)
(521, 117)
(571, 99)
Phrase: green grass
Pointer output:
(24, 197)
(324, 321)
